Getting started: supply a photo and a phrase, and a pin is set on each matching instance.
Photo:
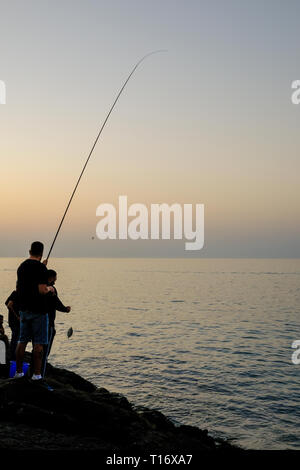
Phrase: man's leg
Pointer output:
(15, 333)
(25, 333)
(37, 358)
(40, 338)
(20, 351)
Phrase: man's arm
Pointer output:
(12, 298)
(10, 306)
(43, 279)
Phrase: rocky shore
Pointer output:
(79, 416)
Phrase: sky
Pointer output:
(209, 122)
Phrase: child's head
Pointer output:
(52, 276)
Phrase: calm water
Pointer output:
(207, 342)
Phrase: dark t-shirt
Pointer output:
(53, 304)
(31, 273)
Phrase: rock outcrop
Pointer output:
(78, 415)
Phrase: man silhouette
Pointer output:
(32, 289)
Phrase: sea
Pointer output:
(208, 342)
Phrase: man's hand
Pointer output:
(45, 262)
(68, 309)
(51, 289)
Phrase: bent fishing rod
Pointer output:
(95, 143)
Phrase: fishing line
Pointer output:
(95, 143)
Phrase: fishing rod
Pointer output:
(95, 143)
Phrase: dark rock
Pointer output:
(78, 415)
(157, 419)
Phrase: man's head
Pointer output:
(52, 276)
(36, 250)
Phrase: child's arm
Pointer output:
(60, 306)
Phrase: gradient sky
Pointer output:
(210, 121)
